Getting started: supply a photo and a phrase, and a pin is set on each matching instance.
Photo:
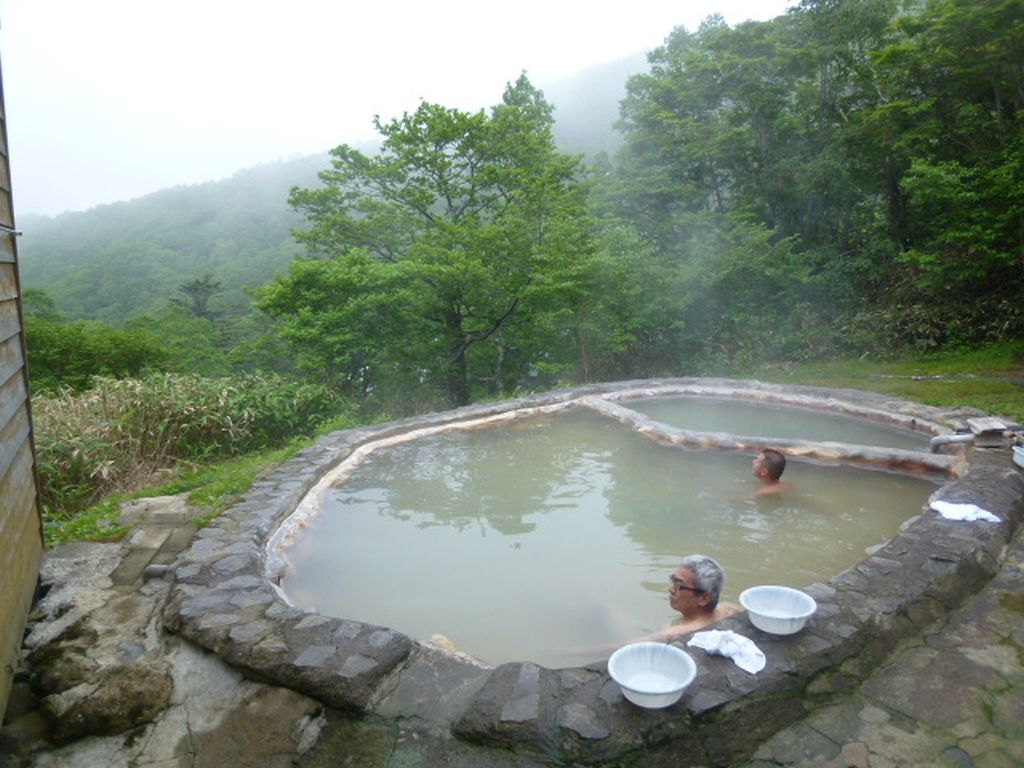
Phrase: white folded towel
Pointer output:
(725, 642)
(954, 511)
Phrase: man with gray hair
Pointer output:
(694, 590)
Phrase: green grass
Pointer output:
(982, 378)
(212, 488)
(97, 523)
(991, 378)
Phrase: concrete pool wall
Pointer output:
(223, 600)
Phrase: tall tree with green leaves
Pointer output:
(720, 170)
(877, 142)
(952, 113)
(198, 293)
(436, 260)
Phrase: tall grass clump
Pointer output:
(113, 437)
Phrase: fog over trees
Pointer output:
(846, 179)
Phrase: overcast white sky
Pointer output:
(109, 100)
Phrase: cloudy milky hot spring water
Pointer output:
(742, 417)
(549, 537)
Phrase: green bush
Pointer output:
(69, 355)
(114, 436)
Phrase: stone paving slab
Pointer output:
(148, 537)
(163, 527)
(952, 697)
(129, 570)
(156, 510)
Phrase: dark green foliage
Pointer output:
(446, 251)
(62, 354)
(197, 295)
(35, 302)
(193, 344)
(881, 141)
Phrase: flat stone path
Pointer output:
(952, 697)
(161, 528)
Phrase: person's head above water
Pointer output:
(769, 465)
(696, 585)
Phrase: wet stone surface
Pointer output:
(953, 696)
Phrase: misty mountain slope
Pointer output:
(116, 260)
(119, 260)
(587, 105)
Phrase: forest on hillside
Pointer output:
(845, 179)
(115, 261)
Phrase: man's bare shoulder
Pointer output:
(681, 627)
(773, 489)
(725, 610)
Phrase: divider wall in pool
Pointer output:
(894, 458)
(223, 600)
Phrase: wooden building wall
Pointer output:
(21, 543)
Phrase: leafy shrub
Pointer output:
(931, 326)
(113, 436)
(69, 355)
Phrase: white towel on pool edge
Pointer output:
(725, 642)
(955, 511)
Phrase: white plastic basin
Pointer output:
(652, 675)
(778, 610)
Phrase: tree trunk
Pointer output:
(457, 371)
(458, 384)
(581, 344)
(499, 371)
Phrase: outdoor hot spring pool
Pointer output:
(550, 536)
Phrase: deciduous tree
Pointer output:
(439, 254)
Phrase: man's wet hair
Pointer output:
(774, 462)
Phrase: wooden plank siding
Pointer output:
(10, 322)
(12, 398)
(8, 281)
(21, 550)
(13, 435)
(6, 248)
(21, 539)
(10, 358)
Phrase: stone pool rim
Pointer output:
(222, 600)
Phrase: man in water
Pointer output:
(768, 468)
(694, 589)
